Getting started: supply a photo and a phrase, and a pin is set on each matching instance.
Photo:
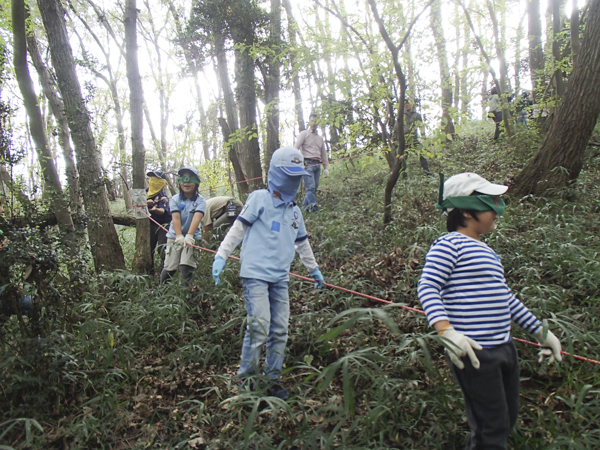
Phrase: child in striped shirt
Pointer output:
(466, 299)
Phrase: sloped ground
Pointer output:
(153, 368)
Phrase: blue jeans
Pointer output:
(268, 309)
(311, 184)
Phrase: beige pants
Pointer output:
(176, 255)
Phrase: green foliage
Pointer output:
(154, 366)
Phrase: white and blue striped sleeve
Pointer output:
(439, 265)
(520, 315)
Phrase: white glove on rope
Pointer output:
(189, 239)
(326, 173)
(179, 240)
(459, 345)
(551, 344)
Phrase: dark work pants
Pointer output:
(422, 160)
(158, 237)
(498, 121)
(491, 395)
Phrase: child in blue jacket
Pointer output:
(272, 230)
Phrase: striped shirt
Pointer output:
(463, 282)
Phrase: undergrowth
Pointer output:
(141, 366)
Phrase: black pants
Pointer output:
(497, 120)
(491, 395)
(158, 238)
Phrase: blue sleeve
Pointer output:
(252, 209)
(439, 265)
(174, 204)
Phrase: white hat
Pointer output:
(289, 160)
(464, 184)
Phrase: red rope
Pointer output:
(370, 297)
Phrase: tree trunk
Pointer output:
(446, 80)
(503, 89)
(536, 52)
(36, 123)
(557, 40)
(232, 123)
(142, 261)
(560, 158)
(464, 87)
(272, 81)
(249, 150)
(105, 246)
(575, 40)
(58, 110)
(292, 30)
(397, 144)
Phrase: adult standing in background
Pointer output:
(158, 206)
(495, 111)
(220, 211)
(312, 147)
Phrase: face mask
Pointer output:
(285, 184)
(188, 179)
(155, 185)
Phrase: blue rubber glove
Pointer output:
(318, 277)
(218, 266)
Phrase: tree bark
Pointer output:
(398, 143)
(105, 246)
(272, 81)
(560, 158)
(536, 52)
(249, 150)
(575, 40)
(292, 31)
(142, 261)
(503, 89)
(446, 80)
(36, 122)
(557, 40)
(232, 121)
(58, 110)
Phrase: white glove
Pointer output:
(189, 239)
(179, 240)
(459, 345)
(551, 344)
(326, 173)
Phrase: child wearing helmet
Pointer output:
(187, 209)
(272, 230)
(465, 296)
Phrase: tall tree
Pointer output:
(142, 261)
(272, 74)
(560, 158)
(294, 66)
(105, 246)
(446, 80)
(58, 111)
(536, 51)
(36, 122)
(242, 20)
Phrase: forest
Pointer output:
(96, 94)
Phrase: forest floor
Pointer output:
(146, 367)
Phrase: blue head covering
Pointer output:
(285, 174)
